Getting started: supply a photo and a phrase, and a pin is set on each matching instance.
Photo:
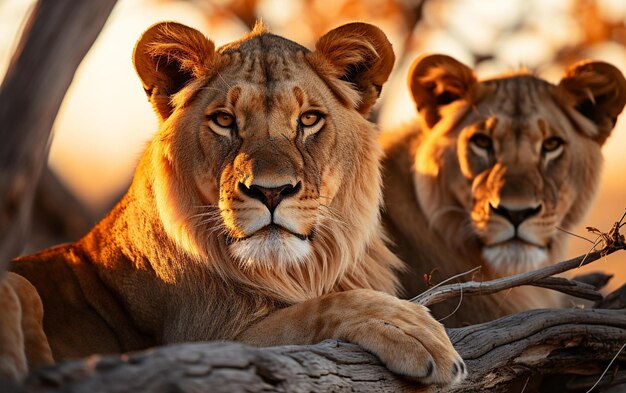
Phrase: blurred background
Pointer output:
(105, 120)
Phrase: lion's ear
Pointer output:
(438, 80)
(597, 90)
(360, 54)
(166, 57)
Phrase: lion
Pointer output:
(490, 173)
(253, 214)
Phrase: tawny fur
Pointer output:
(23, 342)
(188, 254)
(442, 191)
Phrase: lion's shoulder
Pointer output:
(401, 142)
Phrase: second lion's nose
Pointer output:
(515, 216)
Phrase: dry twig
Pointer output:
(612, 241)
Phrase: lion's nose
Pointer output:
(270, 197)
(515, 216)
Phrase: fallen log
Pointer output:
(499, 354)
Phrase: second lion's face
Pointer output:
(505, 163)
(515, 151)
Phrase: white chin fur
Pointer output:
(270, 249)
(514, 257)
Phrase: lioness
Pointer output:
(491, 171)
(253, 215)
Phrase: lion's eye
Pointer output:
(310, 122)
(222, 123)
(310, 118)
(482, 141)
(223, 119)
(551, 144)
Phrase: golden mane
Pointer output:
(348, 254)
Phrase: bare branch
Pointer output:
(569, 287)
(613, 241)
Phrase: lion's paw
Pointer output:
(407, 339)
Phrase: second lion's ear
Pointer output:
(438, 80)
(167, 56)
(596, 90)
(357, 53)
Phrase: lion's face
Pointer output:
(505, 163)
(283, 157)
(262, 140)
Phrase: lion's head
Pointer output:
(265, 166)
(505, 162)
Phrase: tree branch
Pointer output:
(613, 240)
(570, 287)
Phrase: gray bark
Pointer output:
(56, 38)
(501, 355)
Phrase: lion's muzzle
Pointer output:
(515, 216)
(270, 196)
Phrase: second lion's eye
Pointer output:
(310, 118)
(551, 144)
(482, 141)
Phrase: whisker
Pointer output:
(329, 214)
(330, 209)
(211, 88)
(224, 80)
(208, 221)
(206, 214)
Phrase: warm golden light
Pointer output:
(106, 121)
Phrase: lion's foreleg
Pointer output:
(23, 343)
(403, 335)
(12, 354)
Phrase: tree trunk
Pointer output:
(56, 38)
